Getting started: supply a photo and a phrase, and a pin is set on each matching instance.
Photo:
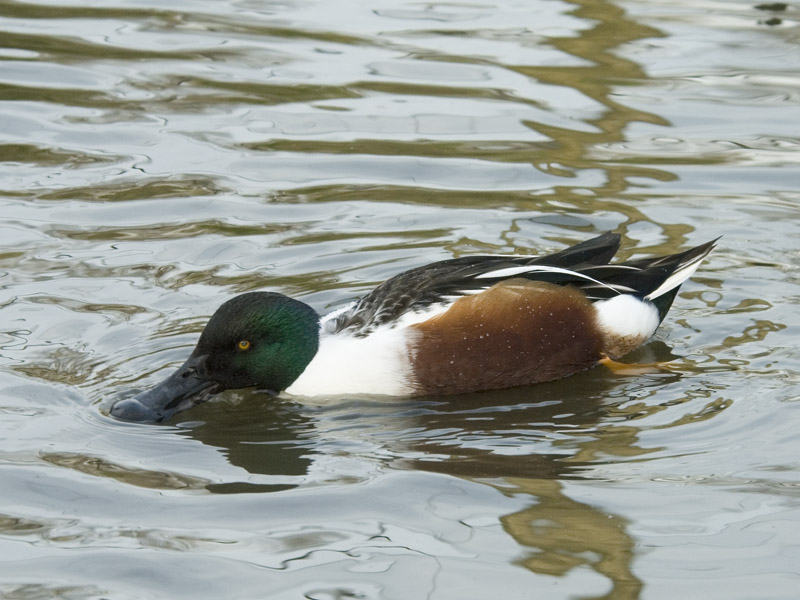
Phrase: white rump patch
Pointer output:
(627, 317)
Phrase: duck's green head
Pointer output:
(259, 339)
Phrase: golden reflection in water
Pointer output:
(597, 45)
(607, 70)
(567, 534)
(601, 74)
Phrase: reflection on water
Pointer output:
(157, 161)
(522, 445)
(563, 535)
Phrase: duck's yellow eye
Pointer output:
(243, 345)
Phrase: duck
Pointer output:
(456, 326)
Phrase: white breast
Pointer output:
(375, 364)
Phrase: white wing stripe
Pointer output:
(507, 272)
(511, 271)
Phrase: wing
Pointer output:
(583, 266)
(418, 289)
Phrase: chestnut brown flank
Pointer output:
(517, 332)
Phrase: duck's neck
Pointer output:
(299, 327)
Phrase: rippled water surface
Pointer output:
(157, 161)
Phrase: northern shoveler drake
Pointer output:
(455, 326)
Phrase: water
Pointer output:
(157, 161)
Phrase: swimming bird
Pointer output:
(460, 325)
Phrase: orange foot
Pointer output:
(618, 368)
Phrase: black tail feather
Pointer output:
(664, 302)
(596, 251)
